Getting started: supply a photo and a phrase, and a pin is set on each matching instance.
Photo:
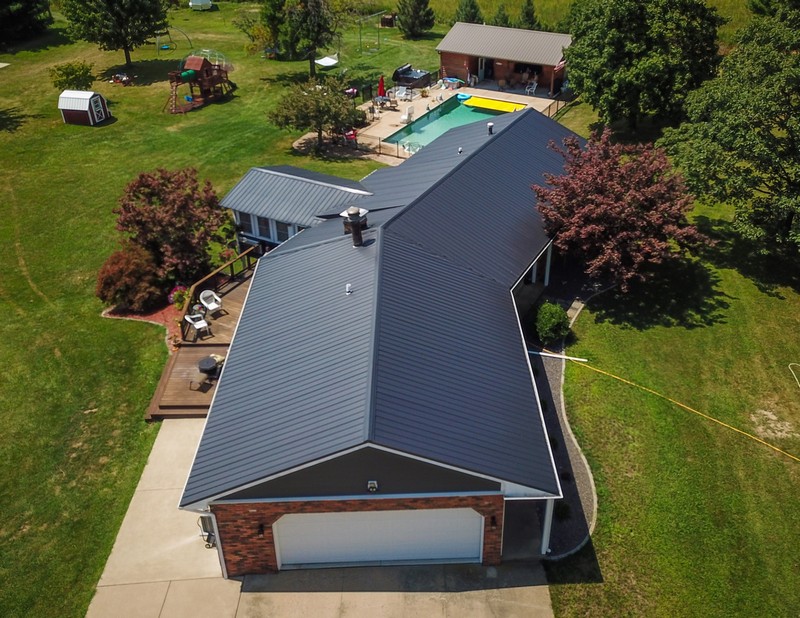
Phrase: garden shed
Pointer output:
(83, 107)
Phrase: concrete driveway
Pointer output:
(160, 568)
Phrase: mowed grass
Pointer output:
(74, 386)
(551, 12)
(694, 519)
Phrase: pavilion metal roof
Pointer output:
(517, 44)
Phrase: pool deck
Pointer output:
(388, 120)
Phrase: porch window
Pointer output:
(263, 228)
(282, 230)
(245, 222)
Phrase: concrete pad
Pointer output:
(290, 605)
(202, 598)
(132, 601)
(158, 542)
(172, 454)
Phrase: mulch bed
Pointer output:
(169, 317)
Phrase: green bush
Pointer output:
(552, 323)
(72, 76)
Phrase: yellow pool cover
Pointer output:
(494, 104)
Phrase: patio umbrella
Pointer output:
(381, 87)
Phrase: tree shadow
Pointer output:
(768, 271)
(683, 293)
(287, 78)
(12, 118)
(144, 72)
(54, 37)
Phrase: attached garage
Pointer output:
(333, 539)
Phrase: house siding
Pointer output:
(246, 553)
(348, 474)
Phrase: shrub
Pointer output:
(177, 296)
(552, 323)
(72, 76)
(128, 280)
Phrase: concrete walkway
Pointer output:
(160, 568)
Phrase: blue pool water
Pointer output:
(433, 124)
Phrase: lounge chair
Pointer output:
(531, 87)
(198, 323)
(403, 94)
(210, 301)
(408, 116)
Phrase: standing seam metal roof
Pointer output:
(291, 195)
(425, 356)
(517, 44)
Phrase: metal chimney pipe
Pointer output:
(354, 219)
(490, 126)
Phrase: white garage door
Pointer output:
(325, 539)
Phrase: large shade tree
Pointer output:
(634, 58)
(315, 105)
(20, 20)
(619, 208)
(741, 143)
(301, 28)
(116, 24)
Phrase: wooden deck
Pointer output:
(174, 397)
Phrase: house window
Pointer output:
(263, 228)
(245, 222)
(282, 231)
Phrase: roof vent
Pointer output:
(460, 150)
(355, 220)
(490, 127)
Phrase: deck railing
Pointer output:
(214, 280)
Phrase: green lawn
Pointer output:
(694, 519)
(75, 386)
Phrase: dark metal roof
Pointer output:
(517, 44)
(425, 356)
(290, 194)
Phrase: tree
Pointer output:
(527, 17)
(315, 105)
(72, 76)
(128, 280)
(300, 28)
(116, 24)
(414, 18)
(469, 12)
(772, 7)
(632, 58)
(620, 208)
(501, 17)
(20, 20)
(741, 142)
(173, 218)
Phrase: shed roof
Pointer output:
(517, 44)
(290, 194)
(78, 100)
(425, 356)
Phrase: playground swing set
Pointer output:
(206, 74)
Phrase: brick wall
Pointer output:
(246, 551)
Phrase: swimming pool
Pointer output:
(433, 124)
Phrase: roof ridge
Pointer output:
(267, 170)
(469, 157)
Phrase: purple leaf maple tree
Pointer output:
(619, 208)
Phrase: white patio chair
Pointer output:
(210, 301)
(403, 94)
(198, 323)
(408, 116)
